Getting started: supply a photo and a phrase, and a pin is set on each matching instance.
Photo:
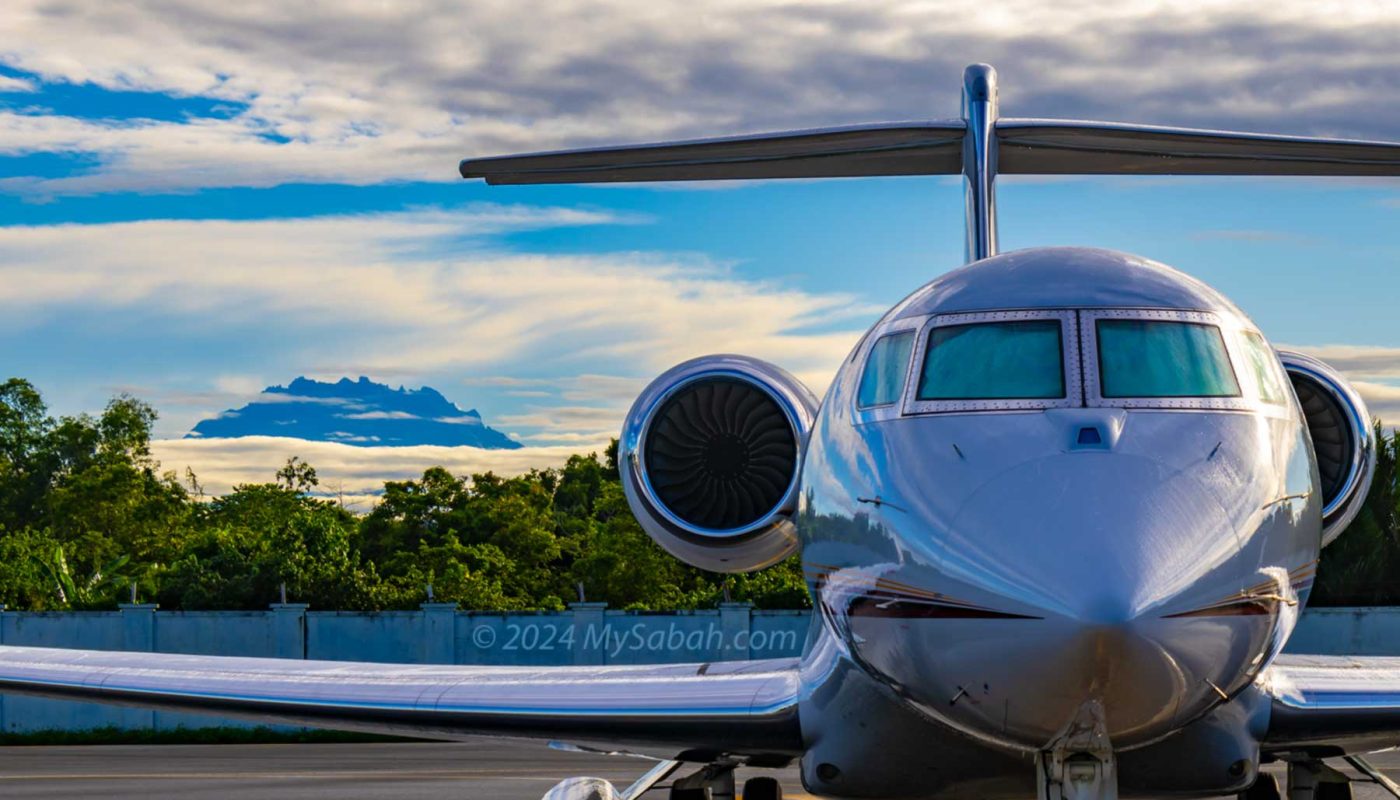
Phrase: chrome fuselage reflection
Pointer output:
(1000, 568)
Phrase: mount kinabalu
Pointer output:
(360, 412)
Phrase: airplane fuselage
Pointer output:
(1009, 566)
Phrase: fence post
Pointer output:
(139, 636)
(439, 633)
(289, 630)
(590, 621)
(736, 621)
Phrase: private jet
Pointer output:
(1059, 511)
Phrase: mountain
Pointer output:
(360, 412)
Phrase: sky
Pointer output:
(201, 199)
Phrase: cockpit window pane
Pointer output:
(1265, 367)
(1153, 358)
(1021, 360)
(882, 383)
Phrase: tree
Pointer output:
(25, 428)
(262, 536)
(24, 582)
(106, 496)
(74, 591)
(1362, 565)
(297, 476)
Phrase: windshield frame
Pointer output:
(1069, 364)
(1093, 386)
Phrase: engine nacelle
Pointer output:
(710, 455)
(1342, 438)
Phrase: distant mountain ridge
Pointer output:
(360, 412)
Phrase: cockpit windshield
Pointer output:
(1016, 360)
(1156, 358)
(883, 380)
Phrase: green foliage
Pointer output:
(1361, 567)
(24, 581)
(297, 476)
(249, 544)
(85, 512)
(77, 592)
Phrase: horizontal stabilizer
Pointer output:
(979, 146)
(1069, 147)
(897, 148)
(1024, 147)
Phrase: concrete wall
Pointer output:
(438, 633)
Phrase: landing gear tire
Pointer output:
(763, 789)
(1265, 788)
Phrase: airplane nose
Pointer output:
(1092, 537)
(1098, 544)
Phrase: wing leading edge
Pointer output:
(1333, 705)
(742, 708)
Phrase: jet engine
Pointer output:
(1342, 438)
(709, 456)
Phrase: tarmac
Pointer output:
(488, 770)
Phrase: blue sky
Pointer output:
(197, 201)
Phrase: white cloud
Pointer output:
(364, 91)
(269, 398)
(380, 415)
(1358, 362)
(1382, 400)
(9, 83)
(355, 471)
(402, 294)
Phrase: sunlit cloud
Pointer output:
(1359, 362)
(355, 473)
(366, 92)
(418, 295)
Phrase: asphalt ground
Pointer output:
(409, 771)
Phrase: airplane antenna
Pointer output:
(979, 163)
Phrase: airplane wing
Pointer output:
(893, 148)
(1333, 704)
(743, 708)
(1024, 146)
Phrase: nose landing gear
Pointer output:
(1079, 765)
(710, 782)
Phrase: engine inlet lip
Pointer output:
(638, 460)
(1340, 510)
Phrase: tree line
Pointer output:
(86, 512)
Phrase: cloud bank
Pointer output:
(419, 296)
(355, 475)
(367, 91)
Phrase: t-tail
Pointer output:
(980, 146)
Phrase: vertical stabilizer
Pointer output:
(979, 109)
